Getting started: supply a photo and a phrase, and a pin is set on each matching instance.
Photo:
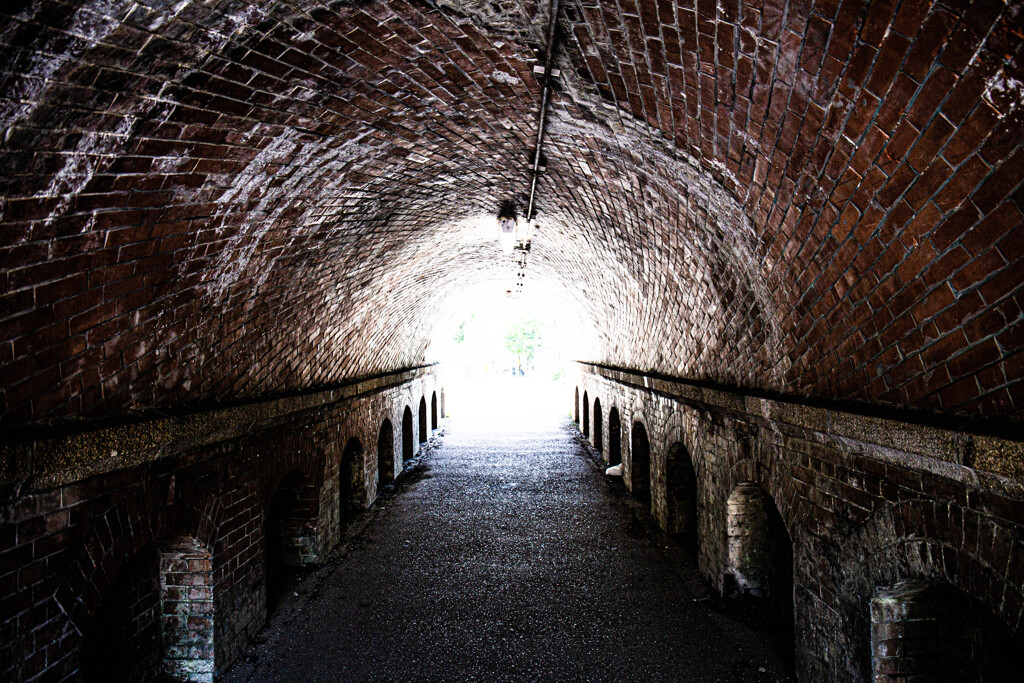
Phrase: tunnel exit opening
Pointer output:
(505, 361)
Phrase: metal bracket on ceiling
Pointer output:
(547, 74)
(539, 69)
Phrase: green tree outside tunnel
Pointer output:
(522, 339)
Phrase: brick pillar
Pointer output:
(186, 593)
(906, 632)
(746, 530)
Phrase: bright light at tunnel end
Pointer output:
(505, 362)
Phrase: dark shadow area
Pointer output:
(289, 518)
(931, 631)
(349, 477)
(681, 489)
(614, 438)
(586, 415)
(385, 455)
(640, 453)
(424, 433)
(407, 435)
(122, 644)
(759, 571)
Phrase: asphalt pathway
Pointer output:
(505, 556)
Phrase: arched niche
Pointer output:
(760, 556)
(289, 533)
(929, 630)
(680, 491)
(424, 433)
(614, 437)
(640, 462)
(156, 621)
(385, 454)
(586, 414)
(351, 490)
(408, 439)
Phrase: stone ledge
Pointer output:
(45, 463)
(994, 455)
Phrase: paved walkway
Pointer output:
(505, 557)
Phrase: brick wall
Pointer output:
(212, 202)
(171, 552)
(862, 503)
(203, 204)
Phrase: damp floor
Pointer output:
(504, 554)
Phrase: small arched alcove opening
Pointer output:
(385, 455)
(423, 420)
(614, 438)
(576, 407)
(760, 557)
(123, 641)
(288, 533)
(681, 494)
(640, 462)
(433, 410)
(156, 621)
(931, 631)
(598, 432)
(350, 479)
(586, 414)
(408, 445)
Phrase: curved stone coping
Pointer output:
(44, 463)
(877, 436)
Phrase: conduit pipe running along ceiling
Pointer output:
(205, 201)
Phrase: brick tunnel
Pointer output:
(789, 235)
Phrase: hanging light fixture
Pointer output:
(507, 223)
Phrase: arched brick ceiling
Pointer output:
(205, 201)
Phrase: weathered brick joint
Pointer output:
(882, 546)
(165, 568)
